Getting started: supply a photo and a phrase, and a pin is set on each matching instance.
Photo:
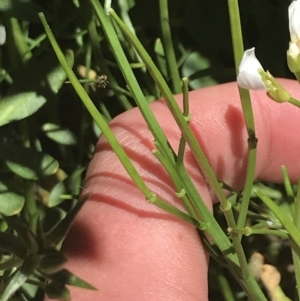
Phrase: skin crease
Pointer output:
(132, 250)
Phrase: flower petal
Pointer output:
(294, 21)
(248, 77)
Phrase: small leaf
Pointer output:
(58, 291)
(17, 280)
(196, 68)
(61, 230)
(52, 262)
(68, 185)
(66, 277)
(24, 233)
(27, 163)
(20, 276)
(58, 134)
(11, 203)
(54, 198)
(28, 93)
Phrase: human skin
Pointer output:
(132, 250)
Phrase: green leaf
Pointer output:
(29, 93)
(27, 163)
(20, 276)
(17, 280)
(196, 68)
(24, 233)
(52, 262)
(57, 291)
(61, 230)
(11, 203)
(66, 277)
(58, 134)
(69, 185)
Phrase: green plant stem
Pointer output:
(294, 102)
(186, 114)
(160, 140)
(247, 231)
(117, 148)
(186, 103)
(124, 9)
(181, 193)
(254, 291)
(288, 188)
(251, 285)
(238, 49)
(287, 183)
(168, 46)
(133, 86)
(295, 254)
(99, 57)
(176, 112)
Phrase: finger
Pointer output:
(131, 250)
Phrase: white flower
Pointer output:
(248, 77)
(294, 21)
(293, 53)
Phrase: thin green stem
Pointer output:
(186, 114)
(288, 188)
(186, 103)
(294, 102)
(238, 49)
(287, 183)
(247, 231)
(197, 151)
(133, 85)
(99, 57)
(175, 110)
(295, 255)
(181, 193)
(114, 143)
(253, 289)
(168, 46)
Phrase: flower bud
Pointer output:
(293, 58)
(274, 90)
